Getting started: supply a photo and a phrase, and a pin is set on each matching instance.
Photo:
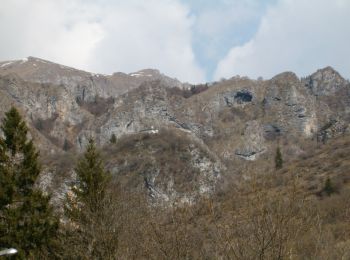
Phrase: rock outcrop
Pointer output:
(238, 120)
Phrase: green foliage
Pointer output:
(113, 139)
(18, 154)
(86, 209)
(28, 169)
(15, 131)
(6, 178)
(278, 159)
(328, 187)
(31, 226)
(92, 181)
(27, 221)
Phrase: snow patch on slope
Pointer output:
(24, 60)
(6, 64)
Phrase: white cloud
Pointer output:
(102, 36)
(295, 35)
(60, 31)
(153, 33)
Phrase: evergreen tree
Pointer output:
(92, 181)
(113, 139)
(27, 221)
(6, 178)
(66, 145)
(22, 155)
(328, 187)
(278, 159)
(15, 131)
(87, 207)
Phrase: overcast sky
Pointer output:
(192, 40)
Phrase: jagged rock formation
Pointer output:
(237, 120)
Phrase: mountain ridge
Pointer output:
(239, 122)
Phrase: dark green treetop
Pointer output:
(278, 159)
(329, 187)
(113, 139)
(15, 131)
(92, 181)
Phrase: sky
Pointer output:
(192, 40)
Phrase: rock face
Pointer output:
(325, 82)
(236, 120)
(170, 164)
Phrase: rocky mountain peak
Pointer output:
(326, 81)
(82, 85)
(287, 76)
(327, 70)
(155, 75)
(146, 73)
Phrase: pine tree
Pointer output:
(278, 159)
(27, 220)
(6, 178)
(92, 181)
(66, 145)
(328, 187)
(87, 206)
(113, 139)
(23, 157)
(15, 131)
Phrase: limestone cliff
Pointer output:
(233, 122)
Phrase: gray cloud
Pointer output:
(150, 33)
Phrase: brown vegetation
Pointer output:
(253, 221)
(167, 154)
(278, 215)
